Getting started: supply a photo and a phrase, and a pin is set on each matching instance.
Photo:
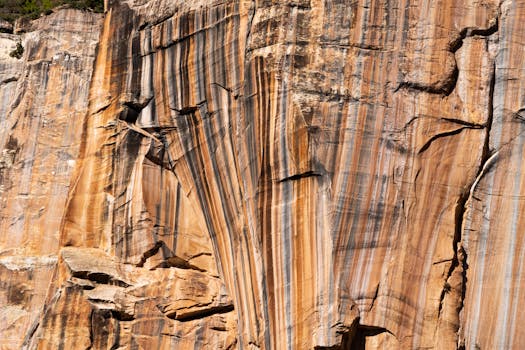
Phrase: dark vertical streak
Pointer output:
(177, 217)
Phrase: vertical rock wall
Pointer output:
(44, 98)
(290, 174)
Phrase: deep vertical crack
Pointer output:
(374, 298)
(460, 258)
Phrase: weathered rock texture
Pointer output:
(293, 174)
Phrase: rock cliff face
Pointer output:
(299, 174)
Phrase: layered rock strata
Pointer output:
(299, 174)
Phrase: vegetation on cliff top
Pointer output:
(10, 10)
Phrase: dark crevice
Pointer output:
(463, 122)
(463, 260)
(456, 44)
(198, 314)
(448, 120)
(232, 345)
(233, 91)
(149, 253)
(8, 80)
(156, 22)
(450, 84)
(467, 32)
(441, 261)
(30, 333)
(253, 344)
(123, 204)
(175, 42)
(361, 46)
(487, 153)
(189, 110)
(101, 109)
(99, 277)
(230, 90)
(300, 176)
(374, 298)
(458, 220)
(520, 114)
(445, 134)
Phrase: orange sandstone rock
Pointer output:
(298, 174)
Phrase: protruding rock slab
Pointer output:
(122, 299)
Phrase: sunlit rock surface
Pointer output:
(44, 99)
(299, 174)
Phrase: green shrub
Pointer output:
(18, 51)
(94, 5)
(10, 10)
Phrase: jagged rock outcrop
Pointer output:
(299, 174)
